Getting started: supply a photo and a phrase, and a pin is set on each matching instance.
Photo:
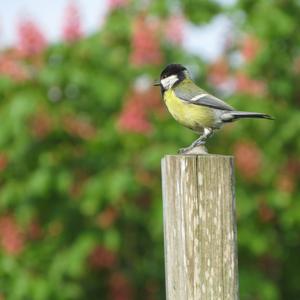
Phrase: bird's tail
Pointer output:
(230, 116)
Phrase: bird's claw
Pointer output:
(183, 150)
(198, 149)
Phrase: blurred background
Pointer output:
(83, 131)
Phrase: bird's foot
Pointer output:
(197, 149)
(183, 150)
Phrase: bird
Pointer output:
(195, 108)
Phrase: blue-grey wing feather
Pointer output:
(190, 92)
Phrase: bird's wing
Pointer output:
(188, 91)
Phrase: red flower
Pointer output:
(219, 71)
(34, 231)
(113, 4)
(173, 29)
(249, 86)
(79, 127)
(3, 161)
(102, 258)
(248, 159)
(41, 125)
(119, 287)
(250, 48)
(265, 212)
(145, 44)
(11, 237)
(289, 175)
(107, 217)
(286, 183)
(10, 66)
(133, 117)
(31, 39)
(72, 25)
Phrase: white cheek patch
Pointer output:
(168, 82)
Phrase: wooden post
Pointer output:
(199, 227)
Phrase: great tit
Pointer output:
(195, 108)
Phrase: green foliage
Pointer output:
(200, 13)
(81, 213)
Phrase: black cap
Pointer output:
(172, 69)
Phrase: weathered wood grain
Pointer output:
(199, 227)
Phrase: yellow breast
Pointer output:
(189, 115)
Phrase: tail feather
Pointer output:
(233, 115)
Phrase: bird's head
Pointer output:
(173, 73)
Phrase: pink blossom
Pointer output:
(31, 40)
(79, 127)
(133, 117)
(249, 86)
(13, 68)
(41, 125)
(11, 237)
(286, 183)
(107, 217)
(219, 71)
(289, 175)
(248, 158)
(266, 213)
(145, 43)
(72, 26)
(250, 48)
(102, 258)
(120, 287)
(34, 230)
(173, 29)
(3, 161)
(113, 4)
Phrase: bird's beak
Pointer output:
(156, 82)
